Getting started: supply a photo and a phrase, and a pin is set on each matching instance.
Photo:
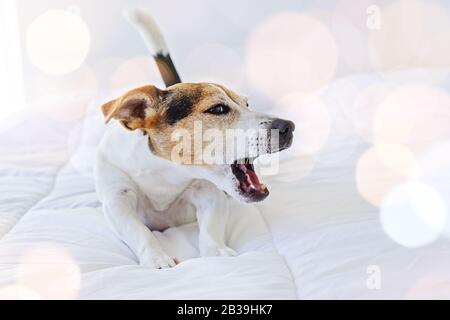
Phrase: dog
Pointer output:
(143, 189)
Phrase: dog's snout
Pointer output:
(285, 129)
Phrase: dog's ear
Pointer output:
(107, 110)
(134, 108)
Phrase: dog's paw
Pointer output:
(158, 261)
(217, 251)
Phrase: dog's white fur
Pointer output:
(140, 190)
(148, 29)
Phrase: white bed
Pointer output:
(314, 238)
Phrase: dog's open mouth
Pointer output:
(250, 186)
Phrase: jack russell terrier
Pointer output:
(140, 184)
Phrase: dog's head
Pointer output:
(208, 127)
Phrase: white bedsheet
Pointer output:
(315, 237)
(54, 241)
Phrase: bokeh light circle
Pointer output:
(65, 98)
(290, 52)
(410, 36)
(414, 116)
(352, 25)
(135, 72)
(413, 215)
(312, 119)
(58, 42)
(435, 171)
(18, 292)
(50, 271)
(383, 167)
(352, 43)
(434, 285)
(215, 63)
(367, 102)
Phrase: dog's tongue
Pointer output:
(252, 177)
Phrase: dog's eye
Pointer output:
(218, 109)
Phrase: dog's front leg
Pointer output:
(120, 203)
(120, 212)
(212, 215)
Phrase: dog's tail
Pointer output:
(155, 41)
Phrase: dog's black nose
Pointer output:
(284, 126)
(285, 129)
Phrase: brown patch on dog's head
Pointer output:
(188, 108)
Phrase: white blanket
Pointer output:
(315, 237)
